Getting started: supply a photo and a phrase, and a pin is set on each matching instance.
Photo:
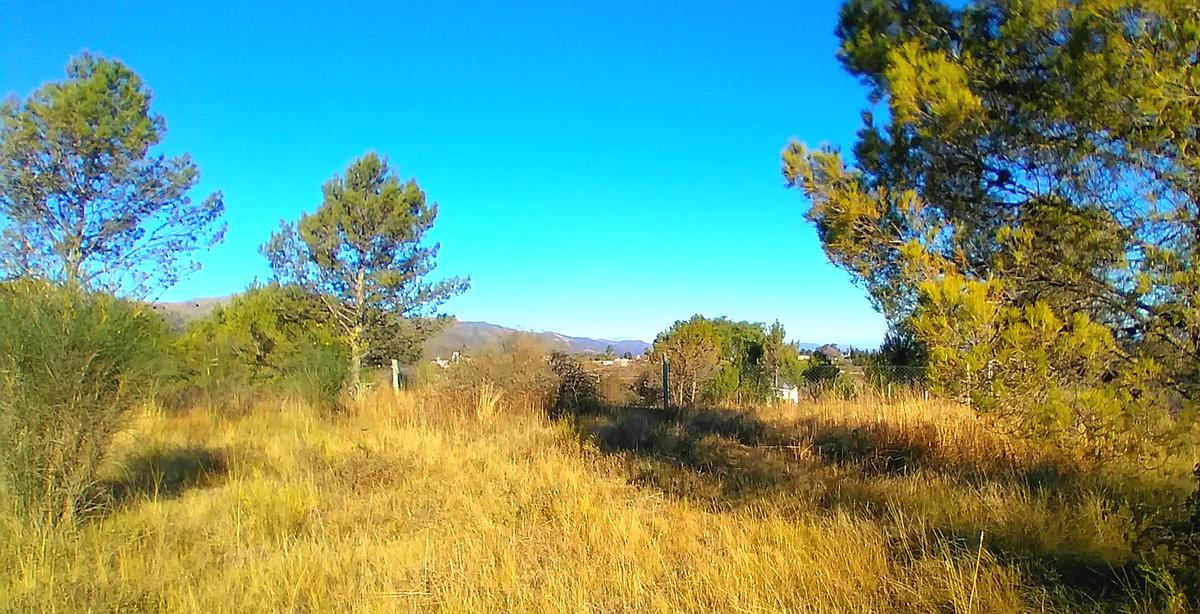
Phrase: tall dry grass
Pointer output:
(432, 500)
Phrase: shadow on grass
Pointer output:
(743, 454)
(730, 459)
(166, 473)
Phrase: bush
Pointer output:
(515, 369)
(72, 367)
(577, 391)
(271, 337)
(316, 374)
(1062, 380)
(901, 359)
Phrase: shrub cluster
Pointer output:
(577, 390)
(272, 338)
(72, 367)
(515, 368)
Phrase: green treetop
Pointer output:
(363, 253)
(1034, 186)
(83, 201)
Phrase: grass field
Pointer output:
(420, 502)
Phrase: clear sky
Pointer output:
(603, 168)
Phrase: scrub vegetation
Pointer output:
(1025, 212)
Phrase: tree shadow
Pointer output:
(165, 473)
(710, 455)
(729, 459)
(882, 449)
(740, 452)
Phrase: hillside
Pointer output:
(467, 336)
(179, 314)
(459, 337)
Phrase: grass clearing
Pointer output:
(421, 503)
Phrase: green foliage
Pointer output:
(1041, 375)
(273, 336)
(1029, 206)
(72, 368)
(724, 383)
(791, 368)
(902, 358)
(717, 360)
(820, 370)
(83, 201)
(363, 253)
(577, 391)
(693, 348)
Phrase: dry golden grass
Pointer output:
(424, 503)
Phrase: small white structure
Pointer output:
(443, 362)
(787, 392)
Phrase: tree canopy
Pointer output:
(363, 253)
(83, 201)
(1026, 200)
(719, 360)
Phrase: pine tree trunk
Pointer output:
(356, 342)
(356, 368)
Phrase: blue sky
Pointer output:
(603, 169)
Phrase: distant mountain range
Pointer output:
(467, 336)
(179, 314)
(459, 337)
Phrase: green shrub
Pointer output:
(901, 359)
(316, 374)
(72, 367)
(272, 337)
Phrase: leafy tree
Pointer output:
(724, 383)
(791, 369)
(775, 352)
(1036, 160)
(694, 349)
(363, 253)
(902, 357)
(82, 199)
(734, 356)
(820, 369)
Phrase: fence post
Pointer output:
(666, 367)
(395, 375)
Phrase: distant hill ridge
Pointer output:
(466, 336)
(459, 337)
